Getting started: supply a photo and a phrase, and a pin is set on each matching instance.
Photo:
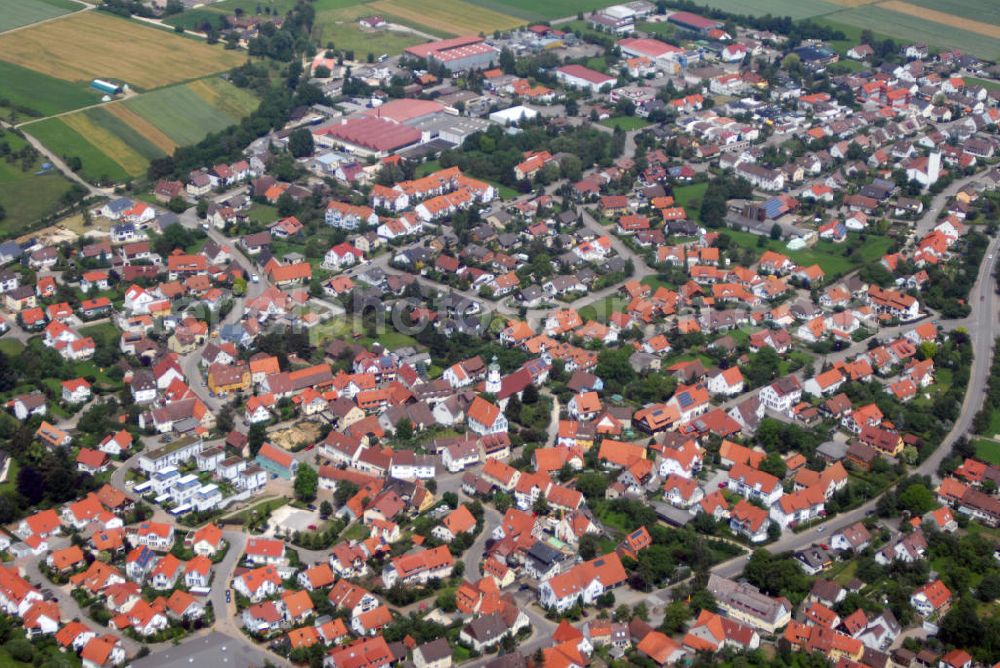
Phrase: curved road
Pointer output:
(982, 327)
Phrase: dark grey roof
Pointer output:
(215, 649)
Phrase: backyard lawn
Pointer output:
(601, 310)
(833, 258)
(690, 198)
(987, 451)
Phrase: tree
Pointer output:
(300, 143)
(775, 232)
(507, 61)
(31, 484)
(614, 368)
(763, 366)
(917, 498)
(989, 588)
(178, 204)
(589, 545)
(287, 205)
(202, 208)
(446, 600)
(774, 465)
(792, 63)
(20, 650)
(592, 484)
(404, 429)
(306, 483)
(256, 437)
(325, 509)
(345, 490)
(675, 618)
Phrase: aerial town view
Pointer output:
(499, 333)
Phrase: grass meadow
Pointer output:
(27, 196)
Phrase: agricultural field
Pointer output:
(796, 9)
(117, 141)
(25, 12)
(27, 196)
(187, 113)
(969, 9)
(22, 90)
(455, 17)
(339, 25)
(907, 22)
(969, 25)
(58, 136)
(537, 11)
(336, 23)
(89, 45)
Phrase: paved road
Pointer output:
(474, 555)
(938, 203)
(190, 363)
(68, 606)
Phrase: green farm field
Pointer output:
(187, 113)
(796, 9)
(119, 139)
(907, 28)
(339, 25)
(64, 140)
(27, 196)
(43, 95)
(455, 17)
(336, 23)
(976, 10)
(536, 11)
(17, 13)
(970, 25)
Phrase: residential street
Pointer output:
(982, 327)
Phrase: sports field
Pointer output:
(43, 95)
(17, 13)
(456, 17)
(94, 44)
(117, 140)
